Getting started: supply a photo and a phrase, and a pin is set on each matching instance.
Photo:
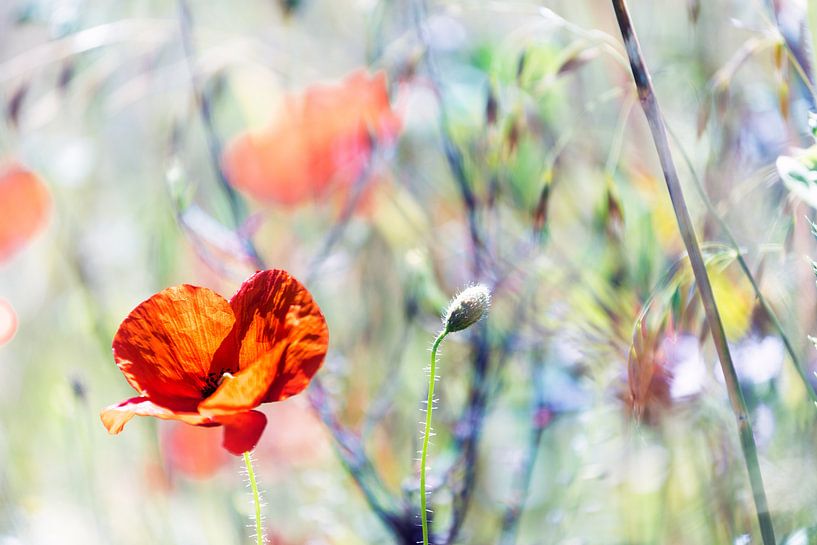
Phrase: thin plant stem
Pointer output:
(353, 456)
(214, 144)
(652, 111)
(513, 513)
(348, 445)
(427, 433)
(259, 532)
(453, 155)
(803, 71)
(744, 267)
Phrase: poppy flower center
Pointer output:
(212, 382)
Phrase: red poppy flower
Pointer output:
(24, 207)
(321, 139)
(197, 358)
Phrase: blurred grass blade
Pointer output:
(649, 104)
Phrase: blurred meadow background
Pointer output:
(388, 153)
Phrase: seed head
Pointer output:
(467, 308)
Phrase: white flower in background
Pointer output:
(743, 539)
(757, 359)
(800, 537)
(763, 424)
(686, 362)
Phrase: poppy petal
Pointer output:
(283, 339)
(167, 345)
(247, 388)
(24, 208)
(115, 417)
(242, 431)
(271, 165)
(273, 309)
(321, 140)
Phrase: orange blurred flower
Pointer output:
(197, 358)
(24, 207)
(322, 139)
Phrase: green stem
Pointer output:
(427, 433)
(744, 267)
(655, 119)
(259, 533)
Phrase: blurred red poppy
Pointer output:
(197, 358)
(193, 450)
(8, 322)
(24, 207)
(321, 140)
(297, 439)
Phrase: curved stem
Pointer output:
(259, 532)
(744, 267)
(652, 111)
(427, 433)
(214, 143)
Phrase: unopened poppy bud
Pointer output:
(467, 308)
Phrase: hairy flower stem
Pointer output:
(259, 532)
(652, 111)
(427, 433)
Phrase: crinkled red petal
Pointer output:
(167, 346)
(242, 431)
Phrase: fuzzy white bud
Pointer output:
(467, 308)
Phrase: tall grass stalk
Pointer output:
(652, 111)
(744, 267)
